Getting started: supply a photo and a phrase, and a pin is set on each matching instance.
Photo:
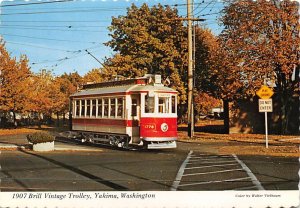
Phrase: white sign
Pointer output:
(265, 105)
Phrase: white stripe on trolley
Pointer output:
(219, 171)
(208, 182)
(180, 172)
(209, 166)
(250, 174)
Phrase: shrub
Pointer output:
(40, 137)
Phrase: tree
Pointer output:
(150, 40)
(204, 103)
(95, 75)
(206, 45)
(260, 41)
(40, 96)
(75, 79)
(61, 89)
(14, 77)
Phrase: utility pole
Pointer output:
(190, 70)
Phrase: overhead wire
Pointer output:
(38, 46)
(52, 26)
(62, 30)
(58, 11)
(205, 7)
(50, 39)
(35, 3)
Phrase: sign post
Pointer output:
(265, 105)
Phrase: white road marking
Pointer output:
(181, 172)
(216, 162)
(212, 156)
(208, 182)
(219, 171)
(206, 159)
(209, 166)
(254, 180)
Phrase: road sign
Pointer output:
(265, 105)
(265, 92)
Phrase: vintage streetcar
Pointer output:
(125, 113)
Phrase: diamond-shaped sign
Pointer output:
(265, 92)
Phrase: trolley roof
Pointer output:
(126, 87)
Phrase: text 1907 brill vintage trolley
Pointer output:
(140, 111)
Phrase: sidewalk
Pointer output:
(19, 141)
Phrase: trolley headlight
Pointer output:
(164, 127)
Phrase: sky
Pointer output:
(55, 34)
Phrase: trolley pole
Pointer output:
(190, 71)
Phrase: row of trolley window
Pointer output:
(113, 107)
(100, 108)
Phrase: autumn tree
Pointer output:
(150, 40)
(206, 45)
(14, 77)
(75, 78)
(96, 76)
(205, 102)
(40, 97)
(60, 91)
(260, 41)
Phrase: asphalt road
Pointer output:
(189, 167)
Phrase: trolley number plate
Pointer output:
(149, 126)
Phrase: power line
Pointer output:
(62, 60)
(205, 7)
(63, 11)
(47, 2)
(51, 39)
(31, 21)
(53, 26)
(44, 29)
(37, 46)
(55, 8)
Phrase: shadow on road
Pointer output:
(81, 172)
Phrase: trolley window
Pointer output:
(134, 107)
(149, 104)
(99, 108)
(88, 108)
(77, 107)
(173, 104)
(112, 107)
(94, 108)
(105, 108)
(120, 107)
(163, 104)
(82, 111)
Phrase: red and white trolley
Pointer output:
(140, 111)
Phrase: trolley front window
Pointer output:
(163, 104)
(149, 104)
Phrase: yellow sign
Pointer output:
(264, 92)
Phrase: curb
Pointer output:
(59, 149)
